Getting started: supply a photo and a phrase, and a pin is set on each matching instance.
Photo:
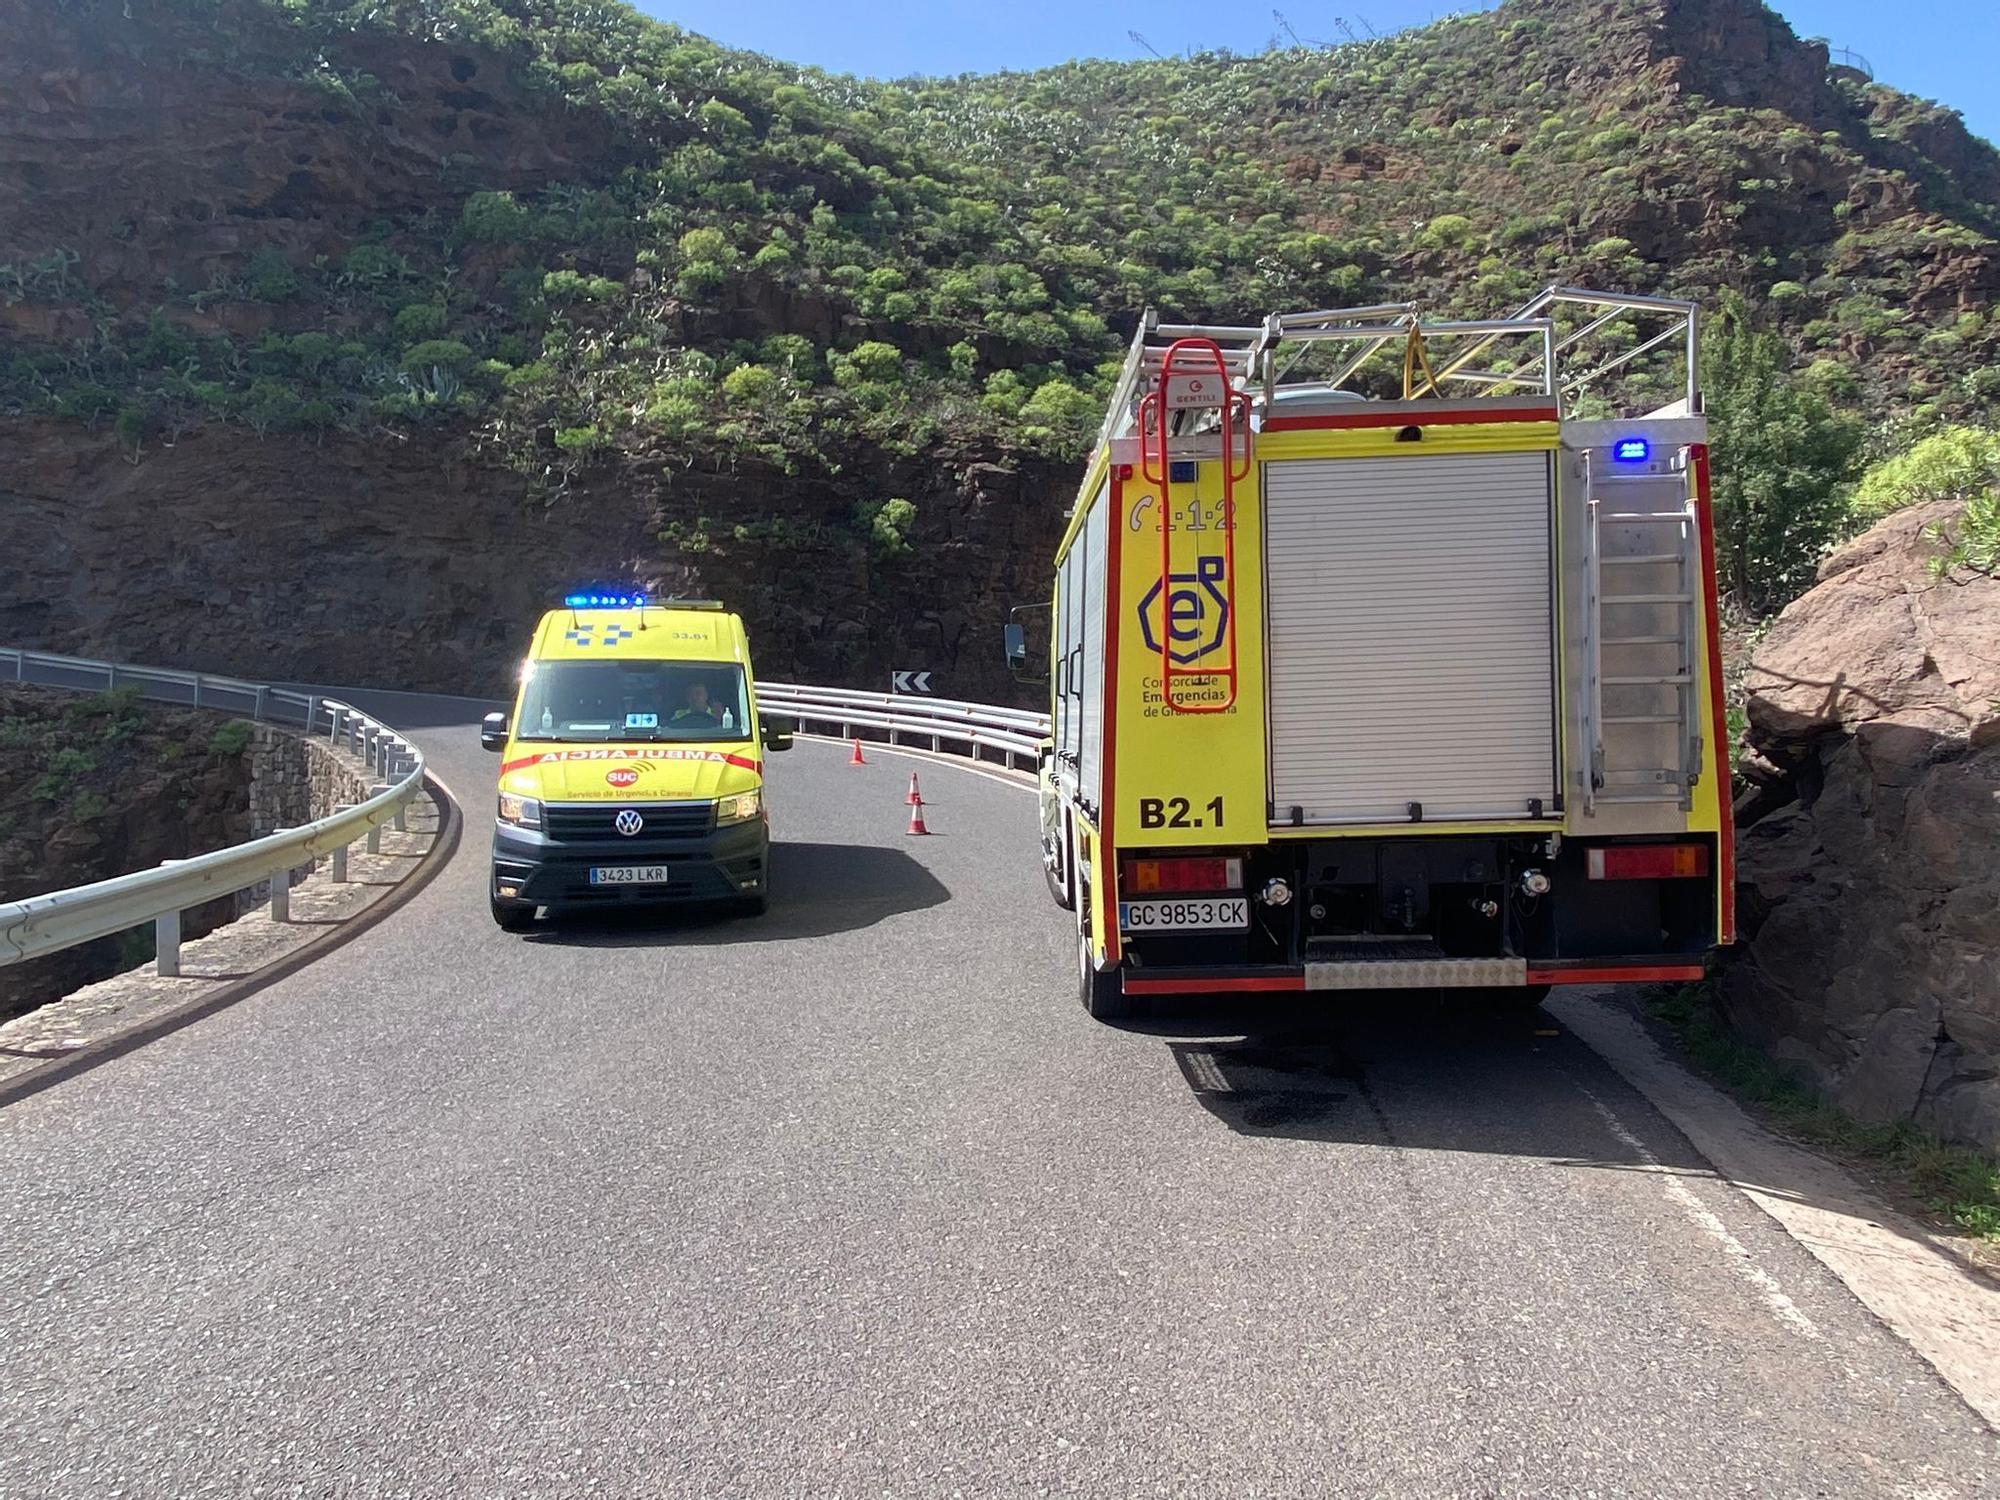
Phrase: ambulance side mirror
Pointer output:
(493, 732)
(777, 734)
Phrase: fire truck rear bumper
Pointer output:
(1407, 974)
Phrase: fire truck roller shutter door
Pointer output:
(1412, 636)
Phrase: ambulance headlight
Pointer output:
(523, 812)
(739, 809)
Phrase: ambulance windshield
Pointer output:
(633, 700)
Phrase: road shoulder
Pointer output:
(1942, 1309)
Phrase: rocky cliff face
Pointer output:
(96, 787)
(1870, 851)
(349, 563)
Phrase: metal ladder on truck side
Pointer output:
(1194, 379)
(1642, 733)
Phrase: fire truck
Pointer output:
(1365, 679)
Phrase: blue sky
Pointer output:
(1941, 49)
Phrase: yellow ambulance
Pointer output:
(632, 765)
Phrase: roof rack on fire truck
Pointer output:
(1563, 342)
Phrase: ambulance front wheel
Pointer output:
(512, 916)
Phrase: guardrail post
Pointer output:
(401, 821)
(337, 856)
(167, 943)
(375, 830)
(197, 690)
(261, 711)
(281, 893)
(167, 938)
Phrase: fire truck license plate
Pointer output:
(628, 875)
(1189, 914)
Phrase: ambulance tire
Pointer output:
(513, 916)
(757, 905)
(1101, 990)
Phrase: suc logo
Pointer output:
(1196, 611)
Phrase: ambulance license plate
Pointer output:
(628, 874)
(1188, 914)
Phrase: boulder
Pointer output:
(1880, 639)
(1869, 863)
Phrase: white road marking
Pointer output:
(1676, 1188)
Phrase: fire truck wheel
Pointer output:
(1056, 870)
(1101, 990)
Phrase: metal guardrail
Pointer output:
(62, 919)
(1015, 733)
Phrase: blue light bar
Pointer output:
(1631, 450)
(604, 601)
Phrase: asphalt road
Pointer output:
(853, 1199)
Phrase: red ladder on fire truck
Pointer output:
(1193, 378)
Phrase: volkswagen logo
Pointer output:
(628, 822)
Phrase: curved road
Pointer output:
(853, 1199)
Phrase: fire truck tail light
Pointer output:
(1179, 876)
(1647, 862)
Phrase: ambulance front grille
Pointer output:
(598, 821)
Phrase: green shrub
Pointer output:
(709, 245)
(419, 321)
(749, 385)
(445, 354)
(1954, 463)
(1833, 378)
(887, 524)
(569, 286)
(1447, 232)
(582, 440)
(674, 416)
(1973, 541)
(724, 120)
(873, 361)
(231, 738)
(494, 219)
(88, 804)
(269, 277)
(700, 279)
(310, 351)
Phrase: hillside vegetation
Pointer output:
(555, 236)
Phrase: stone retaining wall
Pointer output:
(295, 778)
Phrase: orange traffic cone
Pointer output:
(917, 819)
(855, 759)
(916, 798)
